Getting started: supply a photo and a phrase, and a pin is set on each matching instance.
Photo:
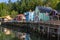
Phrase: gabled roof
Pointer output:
(8, 17)
(44, 9)
(22, 15)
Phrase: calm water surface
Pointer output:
(33, 36)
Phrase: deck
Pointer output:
(52, 22)
(32, 25)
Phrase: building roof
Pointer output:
(20, 15)
(23, 16)
(45, 9)
(8, 17)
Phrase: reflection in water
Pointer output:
(12, 36)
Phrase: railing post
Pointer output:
(58, 33)
(58, 17)
(51, 17)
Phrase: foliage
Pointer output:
(3, 12)
(58, 6)
(13, 13)
(52, 3)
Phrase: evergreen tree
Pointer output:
(58, 6)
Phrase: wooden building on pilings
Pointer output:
(48, 29)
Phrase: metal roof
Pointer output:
(45, 9)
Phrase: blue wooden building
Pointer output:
(42, 13)
(29, 16)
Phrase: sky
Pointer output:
(7, 1)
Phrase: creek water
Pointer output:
(32, 35)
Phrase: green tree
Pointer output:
(4, 12)
(13, 13)
(3, 6)
(17, 6)
(52, 3)
(23, 6)
(58, 6)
